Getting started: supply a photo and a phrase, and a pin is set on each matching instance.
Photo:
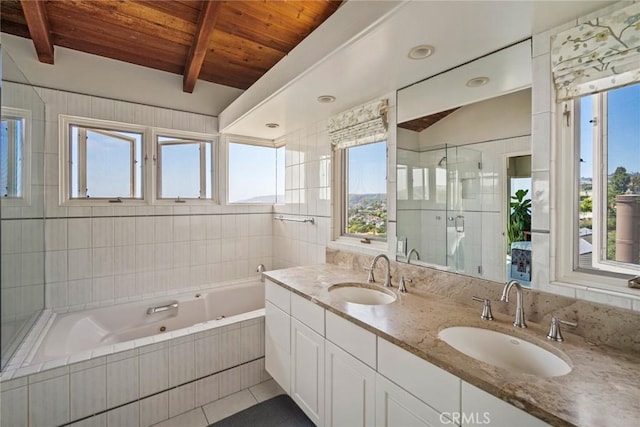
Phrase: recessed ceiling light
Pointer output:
(272, 125)
(478, 81)
(326, 99)
(421, 51)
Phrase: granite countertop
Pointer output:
(603, 387)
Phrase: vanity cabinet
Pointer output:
(481, 408)
(349, 389)
(307, 371)
(397, 407)
(277, 336)
(341, 374)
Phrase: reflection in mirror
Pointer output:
(456, 172)
(21, 207)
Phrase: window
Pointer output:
(365, 192)
(256, 173)
(14, 154)
(608, 196)
(185, 168)
(105, 163)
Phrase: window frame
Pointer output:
(605, 276)
(259, 142)
(26, 116)
(148, 172)
(187, 137)
(342, 159)
(65, 172)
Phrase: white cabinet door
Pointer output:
(481, 408)
(395, 407)
(307, 371)
(349, 390)
(277, 344)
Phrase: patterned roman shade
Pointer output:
(598, 55)
(362, 125)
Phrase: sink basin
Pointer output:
(504, 351)
(362, 293)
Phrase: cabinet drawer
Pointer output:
(308, 313)
(427, 382)
(352, 338)
(481, 407)
(278, 296)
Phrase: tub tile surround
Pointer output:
(143, 385)
(602, 389)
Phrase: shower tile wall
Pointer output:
(102, 255)
(307, 194)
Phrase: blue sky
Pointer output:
(368, 169)
(623, 131)
(252, 172)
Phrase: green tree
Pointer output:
(586, 205)
(620, 180)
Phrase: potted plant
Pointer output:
(519, 227)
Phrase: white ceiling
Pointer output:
(375, 63)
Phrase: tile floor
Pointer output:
(215, 411)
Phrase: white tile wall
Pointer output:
(49, 402)
(125, 252)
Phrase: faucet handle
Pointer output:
(554, 330)
(401, 284)
(486, 308)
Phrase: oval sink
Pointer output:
(362, 293)
(504, 351)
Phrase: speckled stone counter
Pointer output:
(603, 388)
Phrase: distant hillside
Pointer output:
(264, 199)
(365, 199)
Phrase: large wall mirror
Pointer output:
(464, 168)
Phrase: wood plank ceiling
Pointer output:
(232, 43)
(421, 123)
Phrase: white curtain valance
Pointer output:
(359, 126)
(598, 55)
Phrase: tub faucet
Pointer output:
(519, 319)
(260, 269)
(411, 252)
(160, 308)
(371, 278)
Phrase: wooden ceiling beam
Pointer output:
(36, 16)
(195, 58)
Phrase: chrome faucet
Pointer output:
(160, 308)
(371, 278)
(411, 252)
(519, 319)
(260, 269)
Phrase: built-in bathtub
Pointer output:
(121, 362)
(89, 330)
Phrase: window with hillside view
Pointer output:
(366, 191)
(256, 173)
(609, 185)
